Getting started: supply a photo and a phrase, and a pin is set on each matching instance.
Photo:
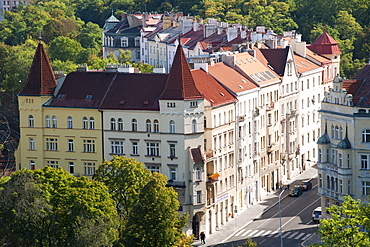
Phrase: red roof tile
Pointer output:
(180, 83)
(325, 44)
(362, 83)
(212, 90)
(41, 79)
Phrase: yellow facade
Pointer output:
(70, 138)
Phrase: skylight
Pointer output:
(89, 97)
(265, 75)
(61, 96)
(270, 74)
(255, 78)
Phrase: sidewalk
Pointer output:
(246, 216)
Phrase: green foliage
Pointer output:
(348, 225)
(59, 27)
(154, 220)
(67, 66)
(47, 206)
(249, 243)
(90, 36)
(64, 49)
(125, 56)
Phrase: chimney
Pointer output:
(219, 30)
(203, 66)
(125, 68)
(208, 30)
(243, 34)
(82, 68)
(144, 18)
(166, 21)
(195, 26)
(185, 26)
(232, 33)
(124, 16)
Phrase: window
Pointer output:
(47, 122)
(51, 144)
(84, 123)
(198, 174)
(112, 124)
(152, 149)
(70, 123)
(199, 196)
(194, 126)
(173, 173)
(89, 168)
(148, 126)
(153, 168)
(365, 188)
(52, 164)
(364, 162)
(54, 120)
(134, 124)
(332, 131)
(89, 146)
(32, 165)
(156, 125)
(32, 144)
(137, 41)
(336, 132)
(124, 42)
(31, 121)
(120, 124)
(70, 145)
(71, 167)
(172, 150)
(135, 150)
(366, 135)
(171, 104)
(117, 147)
(193, 104)
(172, 126)
(92, 123)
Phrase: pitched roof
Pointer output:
(41, 79)
(361, 82)
(212, 90)
(325, 44)
(277, 58)
(180, 83)
(304, 65)
(230, 77)
(83, 89)
(317, 57)
(196, 155)
(135, 92)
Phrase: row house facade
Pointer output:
(343, 148)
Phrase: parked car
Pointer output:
(307, 185)
(297, 191)
(316, 214)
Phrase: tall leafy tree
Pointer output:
(154, 220)
(64, 49)
(50, 207)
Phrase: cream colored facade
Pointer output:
(58, 137)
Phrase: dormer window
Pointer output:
(137, 41)
(124, 42)
(61, 96)
(171, 104)
(88, 97)
(193, 104)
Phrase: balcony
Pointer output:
(270, 107)
(344, 171)
(176, 184)
(241, 118)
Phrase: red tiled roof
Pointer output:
(41, 79)
(196, 155)
(325, 44)
(180, 83)
(362, 83)
(135, 92)
(230, 77)
(304, 65)
(212, 90)
(317, 57)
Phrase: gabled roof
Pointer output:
(361, 85)
(212, 90)
(304, 65)
(325, 44)
(135, 92)
(180, 83)
(277, 58)
(83, 89)
(41, 79)
(230, 77)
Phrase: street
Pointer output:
(296, 222)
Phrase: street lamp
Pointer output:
(281, 228)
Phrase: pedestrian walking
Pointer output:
(203, 238)
(288, 186)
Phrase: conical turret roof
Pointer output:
(180, 83)
(41, 79)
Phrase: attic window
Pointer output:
(89, 97)
(61, 96)
(244, 81)
(171, 104)
(211, 100)
(122, 102)
(254, 59)
(193, 104)
(240, 86)
(222, 94)
(270, 74)
(265, 75)
(146, 103)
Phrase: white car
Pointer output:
(316, 214)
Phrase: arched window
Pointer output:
(54, 120)
(120, 124)
(336, 132)
(134, 124)
(332, 131)
(340, 133)
(172, 126)
(148, 126)
(85, 123)
(156, 125)
(31, 121)
(194, 126)
(112, 124)
(92, 123)
(47, 121)
(70, 122)
(366, 135)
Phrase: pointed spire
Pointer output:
(180, 83)
(41, 79)
(345, 143)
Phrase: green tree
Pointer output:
(154, 220)
(50, 207)
(347, 226)
(67, 66)
(90, 36)
(125, 56)
(64, 48)
(59, 27)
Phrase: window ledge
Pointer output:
(135, 155)
(153, 156)
(172, 157)
(117, 154)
